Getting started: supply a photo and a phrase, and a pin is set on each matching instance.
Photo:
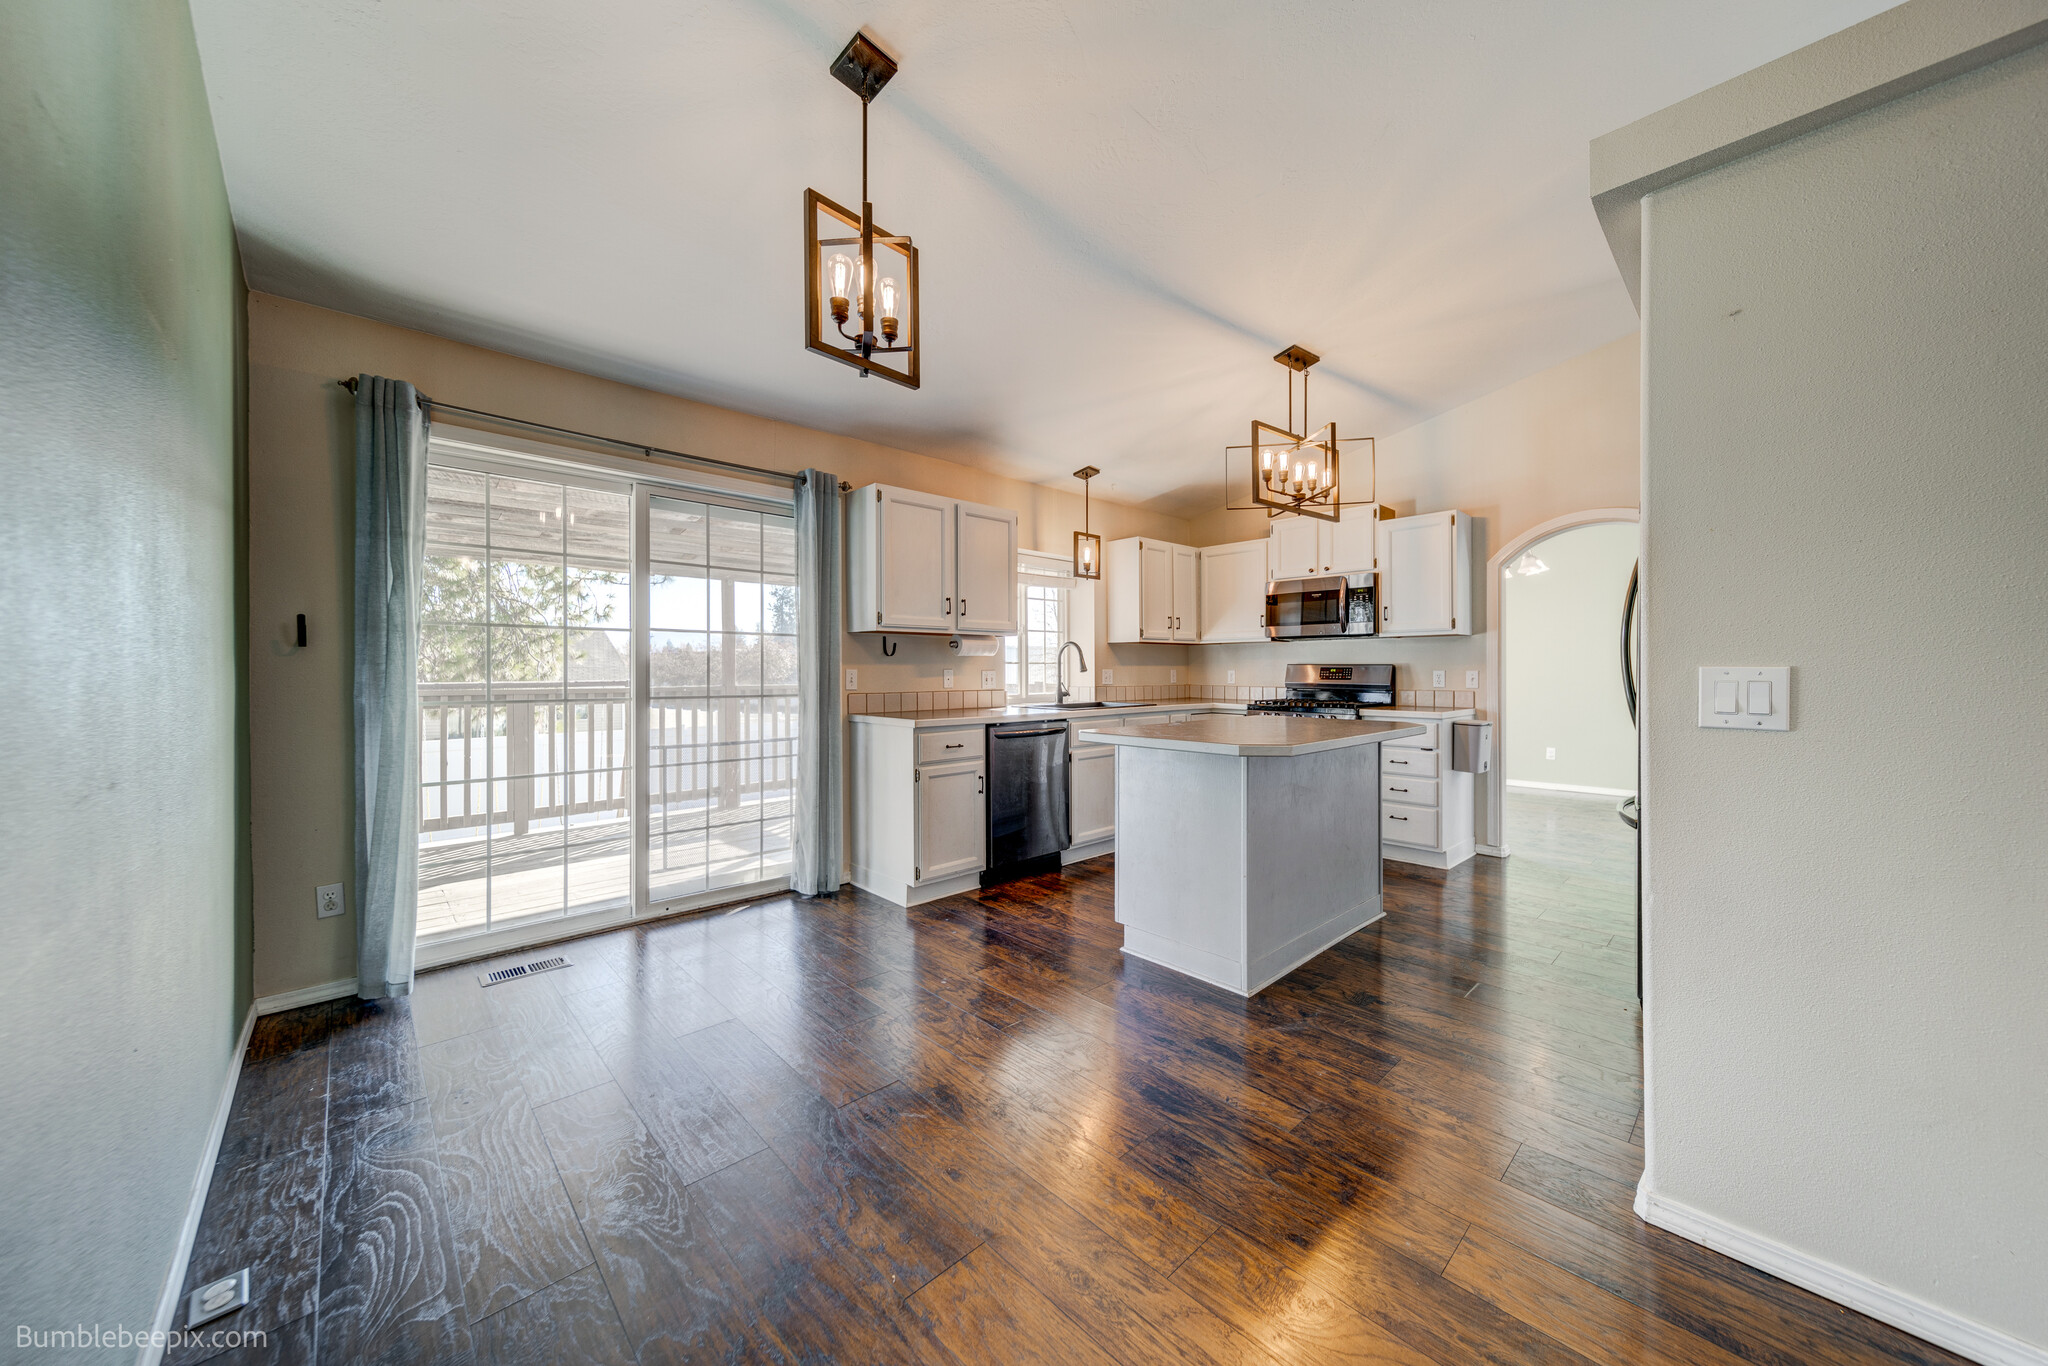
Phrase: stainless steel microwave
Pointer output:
(1337, 605)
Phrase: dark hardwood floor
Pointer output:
(837, 1131)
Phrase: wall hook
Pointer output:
(887, 648)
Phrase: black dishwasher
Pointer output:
(1027, 799)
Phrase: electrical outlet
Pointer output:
(1230, 675)
(1550, 752)
(1436, 679)
(1173, 675)
(852, 679)
(1471, 678)
(1109, 675)
(949, 678)
(327, 900)
(988, 678)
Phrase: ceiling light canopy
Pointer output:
(837, 286)
(1295, 472)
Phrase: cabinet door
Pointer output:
(1233, 592)
(985, 588)
(1187, 593)
(914, 561)
(1155, 590)
(1416, 555)
(1297, 549)
(1091, 792)
(1351, 544)
(952, 820)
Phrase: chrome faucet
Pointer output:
(1060, 679)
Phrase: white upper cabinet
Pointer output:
(1153, 589)
(1308, 547)
(1351, 544)
(1426, 575)
(1233, 591)
(1187, 593)
(985, 590)
(919, 562)
(1296, 547)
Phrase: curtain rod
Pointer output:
(754, 470)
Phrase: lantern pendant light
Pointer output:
(837, 287)
(1293, 472)
(1087, 545)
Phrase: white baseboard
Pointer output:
(167, 1302)
(1571, 787)
(1491, 850)
(305, 996)
(1943, 1328)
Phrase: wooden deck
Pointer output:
(834, 1130)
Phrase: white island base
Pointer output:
(1247, 845)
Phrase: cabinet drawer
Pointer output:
(1408, 825)
(1411, 791)
(944, 746)
(1416, 763)
(1426, 740)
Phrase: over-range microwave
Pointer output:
(1336, 605)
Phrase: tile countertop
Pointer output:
(1045, 711)
(1260, 736)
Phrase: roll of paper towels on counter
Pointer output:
(967, 646)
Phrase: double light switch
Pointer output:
(1746, 698)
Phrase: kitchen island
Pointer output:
(1246, 845)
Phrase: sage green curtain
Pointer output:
(820, 751)
(391, 477)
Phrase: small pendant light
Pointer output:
(1087, 545)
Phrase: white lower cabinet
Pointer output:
(918, 819)
(1091, 793)
(952, 825)
(1425, 805)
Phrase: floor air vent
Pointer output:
(513, 974)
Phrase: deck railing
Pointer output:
(522, 754)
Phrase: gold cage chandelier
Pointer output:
(839, 286)
(1295, 472)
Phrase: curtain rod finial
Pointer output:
(349, 384)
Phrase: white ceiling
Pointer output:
(1123, 208)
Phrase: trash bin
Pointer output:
(1471, 746)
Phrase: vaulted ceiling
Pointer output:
(1123, 207)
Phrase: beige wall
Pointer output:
(124, 979)
(1562, 632)
(301, 512)
(1846, 347)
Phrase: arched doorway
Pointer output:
(1605, 669)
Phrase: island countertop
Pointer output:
(1257, 736)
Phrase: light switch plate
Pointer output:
(852, 679)
(1109, 675)
(1230, 675)
(1471, 678)
(327, 900)
(1173, 675)
(1740, 677)
(988, 678)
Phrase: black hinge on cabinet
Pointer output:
(916, 775)
(878, 493)
(916, 873)
(878, 618)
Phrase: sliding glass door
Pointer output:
(556, 612)
(721, 712)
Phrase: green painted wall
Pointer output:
(123, 883)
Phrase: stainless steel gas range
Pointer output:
(1344, 690)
